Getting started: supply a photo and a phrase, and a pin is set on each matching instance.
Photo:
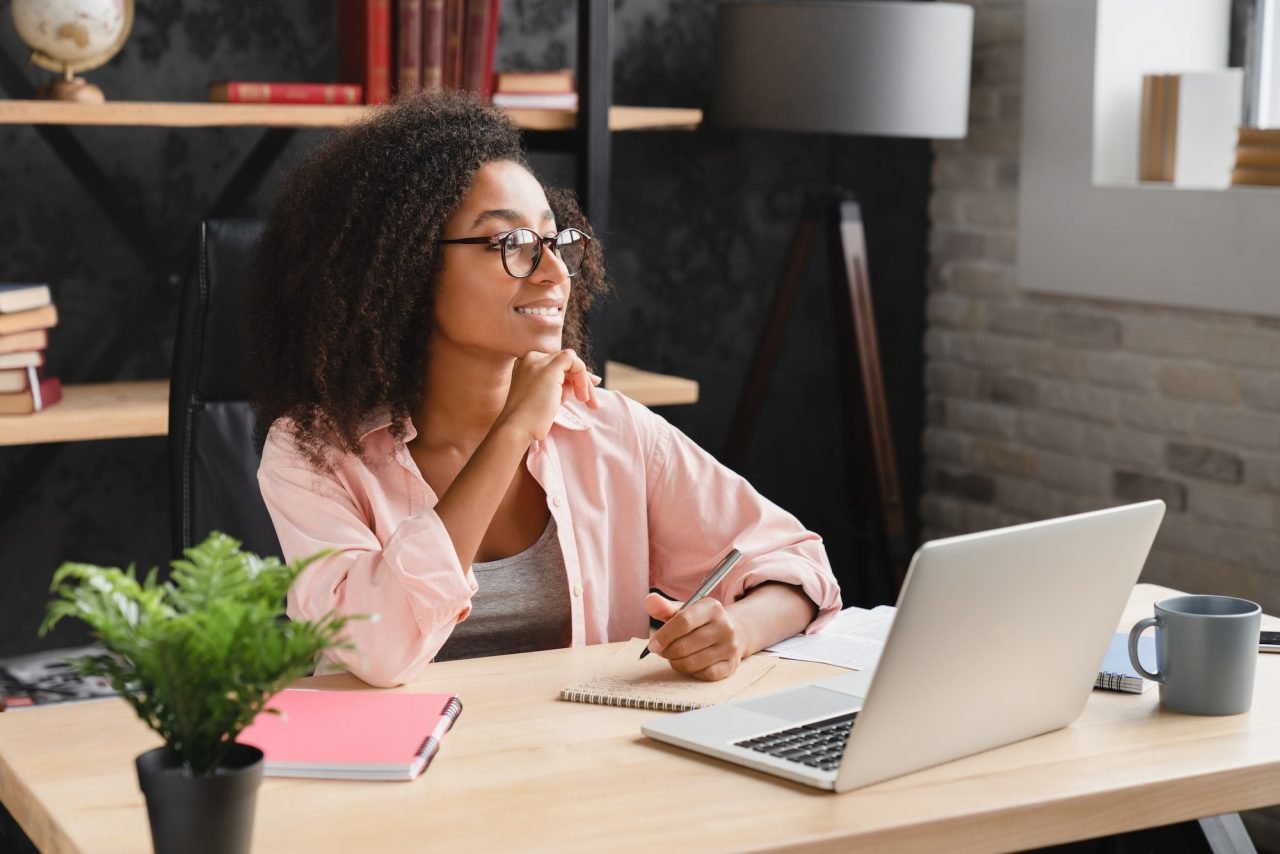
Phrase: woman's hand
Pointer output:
(704, 640)
(540, 382)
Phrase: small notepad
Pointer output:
(625, 680)
(1117, 674)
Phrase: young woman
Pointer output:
(418, 355)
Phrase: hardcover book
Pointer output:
(351, 735)
(364, 47)
(545, 82)
(408, 46)
(40, 394)
(433, 36)
(20, 297)
(22, 359)
(44, 317)
(32, 339)
(479, 44)
(248, 92)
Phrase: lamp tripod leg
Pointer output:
(866, 411)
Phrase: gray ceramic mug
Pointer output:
(1206, 653)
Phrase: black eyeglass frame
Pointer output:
(539, 243)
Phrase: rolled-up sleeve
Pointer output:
(412, 588)
(698, 509)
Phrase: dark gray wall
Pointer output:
(699, 227)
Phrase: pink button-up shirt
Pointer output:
(637, 505)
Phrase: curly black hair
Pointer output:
(340, 307)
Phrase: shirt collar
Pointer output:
(566, 418)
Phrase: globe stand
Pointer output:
(72, 88)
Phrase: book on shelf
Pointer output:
(251, 92)
(16, 379)
(31, 339)
(40, 394)
(1258, 156)
(536, 100)
(20, 297)
(22, 359)
(528, 82)
(44, 317)
(1187, 127)
(433, 35)
(364, 47)
(1116, 672)
(455, 20)
(407, 45)
(624, 679)
(1259, 136)
(1260, 176)
(351, 735)
(480, 43)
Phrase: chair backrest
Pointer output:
(213, 461)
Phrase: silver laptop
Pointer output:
(998, 637)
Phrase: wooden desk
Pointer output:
(523, 771)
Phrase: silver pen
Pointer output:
(708, 584)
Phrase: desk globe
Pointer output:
(68, 36)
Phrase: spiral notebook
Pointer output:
(1117, 673)
(625, 680)
(351, 735)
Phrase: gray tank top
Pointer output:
(522, 604)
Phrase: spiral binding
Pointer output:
(630, 702)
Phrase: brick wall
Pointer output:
(1037, 406)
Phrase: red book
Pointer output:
(408, 46)
(454, 26)
(433, 45)
(351, 735)
(40, 394)
(364, 46)
(479, 44)
(245, 92)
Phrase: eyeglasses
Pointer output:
(522, 249)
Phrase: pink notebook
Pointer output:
(351, 735)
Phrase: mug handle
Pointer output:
(1138, 628)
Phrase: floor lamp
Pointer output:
(839, 66)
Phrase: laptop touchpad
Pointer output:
(802, 704)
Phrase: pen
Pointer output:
(708, 583)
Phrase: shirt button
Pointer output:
(555, 501)
(577, 590)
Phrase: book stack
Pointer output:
(1187, 127)
(393, 47)
(27, 313)
(535, 90)
(1257, 158)
(406, 46)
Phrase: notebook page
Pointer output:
(625, 680)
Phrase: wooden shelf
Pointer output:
(650, 388)
(134, 409)
(177, 114)
(106, 411)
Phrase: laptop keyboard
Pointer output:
(819, 744)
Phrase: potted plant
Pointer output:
(197, 657)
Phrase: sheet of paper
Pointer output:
(854, 639)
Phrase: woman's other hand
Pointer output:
(540, 383)
(703, 640)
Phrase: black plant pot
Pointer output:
(201, 815)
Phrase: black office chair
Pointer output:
(213, 461)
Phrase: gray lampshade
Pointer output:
(845, 66)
